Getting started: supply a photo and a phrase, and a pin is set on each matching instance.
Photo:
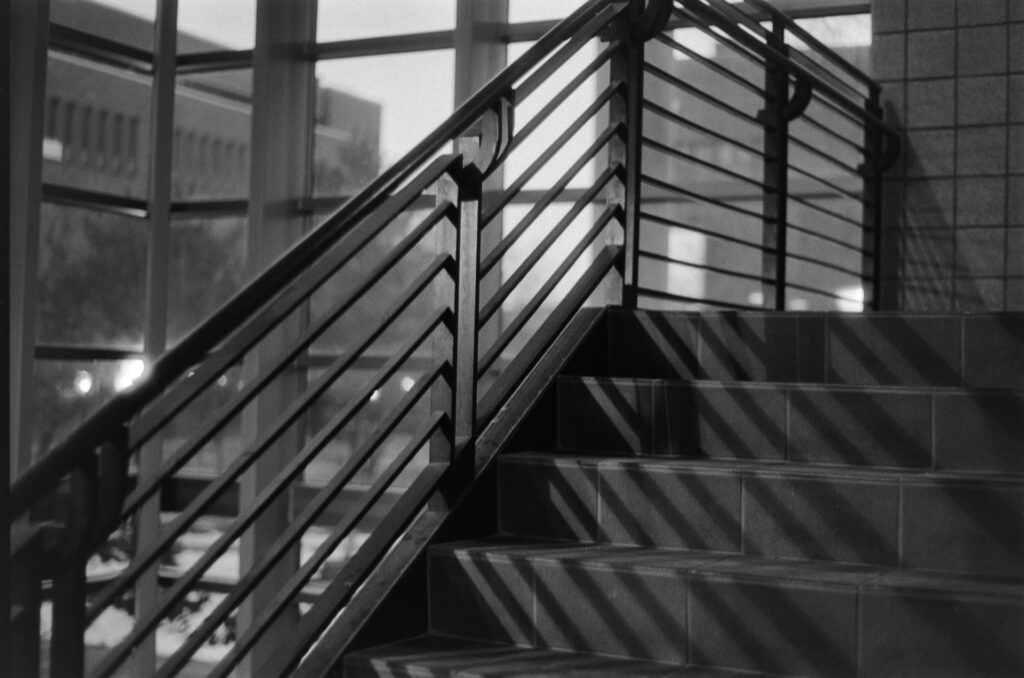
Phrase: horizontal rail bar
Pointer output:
(550, 151)
(680, 120)
(672, 223)
(289, 650)
(829, 157)
(770, 53)
(668, 296)
(679, 84)
(825, 264)
(293, 533)
(257, 327)
(682, 155)
(825, 210)
(208, 431)
(665, 186)
(609, 257)
(545, 112)
(287, 418)
(834, 186)
(496, 300)
(710, 64)
(705, 267)
(47, 472)
(586, 32)
(509, 333)
(495, 255)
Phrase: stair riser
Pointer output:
(712, 619)
(958, 527)
(914, 428)
(976, 350)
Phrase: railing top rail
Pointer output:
(805, 36)
(794, 68)
(46, 473)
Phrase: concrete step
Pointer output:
(919, 519)
(930, 428)
(726, 611)
(434, 655)
(983, 350)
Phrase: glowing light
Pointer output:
(851, 299)
(223, 381)
(128, 373)
(375, 396)
(408, 383)
(83, 382)
(756, 298)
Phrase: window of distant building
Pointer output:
(69, 127)
(86, 144)
(133, 143)
(52, 118)
(101, 137)
(204, 149)
(117, 135)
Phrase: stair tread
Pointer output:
(438, 655)
(737, 566)
(615, 458)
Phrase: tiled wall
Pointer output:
(953, 80)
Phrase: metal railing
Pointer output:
(465, 296)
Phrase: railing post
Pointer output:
(467, 290)
(776, 164)
(872, 170)
(626, 107)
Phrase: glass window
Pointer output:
(91, 278)
(372, 110)
(94, 136)
(207, 266)
(212, 111)
(541, 10)
(101, 137)
(348, 19)
(205, 26)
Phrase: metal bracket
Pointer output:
(652, 20)
(485, 145)
(797, 104)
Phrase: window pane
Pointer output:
(212, 125)
(205, 26)
(126, 21)
(346, 19)
(372, 110)
(207, 266)
(541, 10)
(91, 278)
(96, 131)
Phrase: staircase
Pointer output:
(781, 494)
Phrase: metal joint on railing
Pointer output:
(652, 20)
(493, 132)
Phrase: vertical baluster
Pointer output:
(626, 107)
(67, 639)
(776, 169)
(871, 171)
